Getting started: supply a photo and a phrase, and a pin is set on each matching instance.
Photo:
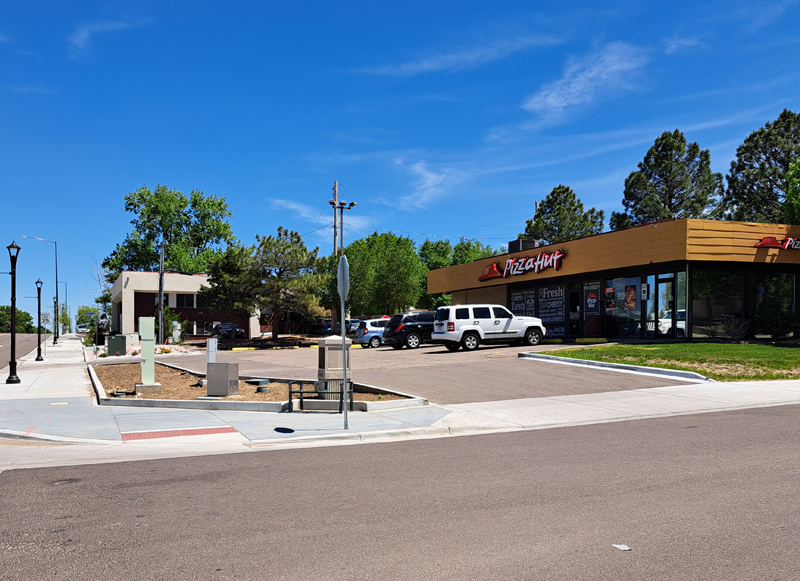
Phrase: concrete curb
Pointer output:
(673, 373)
(251, 406)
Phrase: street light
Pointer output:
(342, 207)
(13, 252)
(66, 296)
(55, 326)
(39, 284)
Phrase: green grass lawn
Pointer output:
(720, 361)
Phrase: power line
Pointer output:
(434, 235)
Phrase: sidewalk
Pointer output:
(55, 403)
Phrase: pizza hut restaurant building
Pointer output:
(672, 279)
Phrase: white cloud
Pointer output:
(322, 216)
(468, 58)
(761, 14)
(430, 184)
(603, 73)
(677, 43)
(81, 38)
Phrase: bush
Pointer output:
(777, 323)
(103, 355)
(735, 327)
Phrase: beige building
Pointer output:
(135, 294)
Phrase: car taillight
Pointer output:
(398, 328)
(451, 327)
(363, 331)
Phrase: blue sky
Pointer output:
(437, 118)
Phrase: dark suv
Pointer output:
(228, 331)
(409, 330)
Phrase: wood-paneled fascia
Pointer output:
(661, 242)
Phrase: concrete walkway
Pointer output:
(54, 403)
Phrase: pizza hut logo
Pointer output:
(786, 243)
(522, 265)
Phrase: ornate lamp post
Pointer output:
(13, 252)
(39, 321)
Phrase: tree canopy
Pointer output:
(674, 180)
(286, 269)
(792, 203)
(386, 275)
(24, 321)
(234, 283)
(757, 182)
(193, 227)
(561, 217)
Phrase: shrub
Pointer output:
(735, 327)
(103, 355)
(777, 323)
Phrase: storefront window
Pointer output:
(715, 295)
(623, 307)
(774, 292)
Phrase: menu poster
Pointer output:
(591, 297)
(523, 302)
(552, 304)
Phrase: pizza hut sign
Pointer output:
(786, 243)
(523, 265)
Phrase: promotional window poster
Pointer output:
(630, 297)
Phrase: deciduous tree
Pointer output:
(24, 321)
(792, 203)
(193, 227)
(561, 217)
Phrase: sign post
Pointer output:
(343, 285)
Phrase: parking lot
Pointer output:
(491, 373)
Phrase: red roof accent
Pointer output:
(769, 242)
(490, 272)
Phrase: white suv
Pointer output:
(470, 325)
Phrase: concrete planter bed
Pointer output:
(404, 401)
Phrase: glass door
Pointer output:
(664, 305)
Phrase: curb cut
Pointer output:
(673, 373)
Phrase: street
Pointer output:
(704, 496)
(26, 343)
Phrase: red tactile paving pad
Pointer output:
(173, 433)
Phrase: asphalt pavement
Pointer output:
(54, 404)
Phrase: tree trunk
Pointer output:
(277, 317)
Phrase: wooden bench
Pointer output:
(299, 387)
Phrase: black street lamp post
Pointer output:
(13, 252)
(39, 321)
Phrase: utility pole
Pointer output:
(334, 202)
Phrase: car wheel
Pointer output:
(470, 342)
(412, 341)
(681, 334)
(452, 346)
(533, 337)
(375, 342)
(396, 346)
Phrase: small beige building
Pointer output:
(135, 294)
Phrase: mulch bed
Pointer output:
(176, 385)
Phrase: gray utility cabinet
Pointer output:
(117, 344)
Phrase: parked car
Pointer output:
(665, 324)
(411, 330)
(227, 331)
(370, 332)
(320, 327)
(352, 325)
(468, 326)
(84, 328)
